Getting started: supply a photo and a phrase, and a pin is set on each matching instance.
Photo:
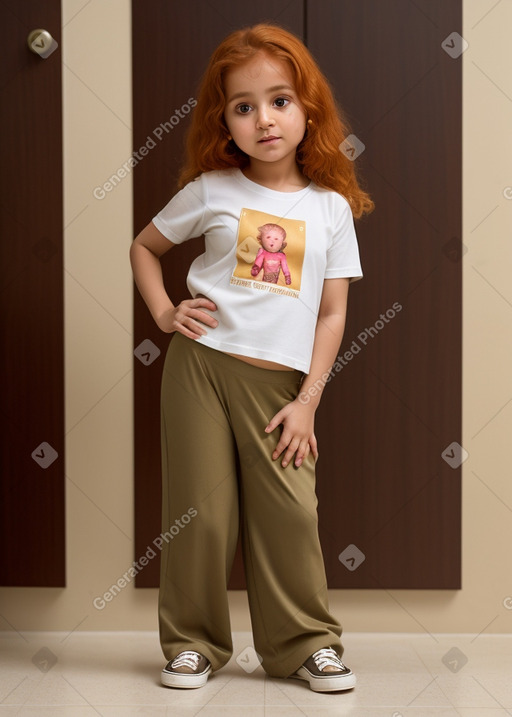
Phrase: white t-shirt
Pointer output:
(267, 293)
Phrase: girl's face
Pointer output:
(263, 113)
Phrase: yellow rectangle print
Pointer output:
(270, 252)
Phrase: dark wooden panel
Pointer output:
(32, 519)
(396, 404)
(171, 47)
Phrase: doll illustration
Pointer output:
(270, 256)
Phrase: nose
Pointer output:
(265, 118)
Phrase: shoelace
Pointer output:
(327, 656)
(187, 658)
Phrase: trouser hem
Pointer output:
(216, 662)
(291, 664)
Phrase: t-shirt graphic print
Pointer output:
(269, 253)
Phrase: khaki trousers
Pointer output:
(218, 475)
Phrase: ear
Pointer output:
(283, 245)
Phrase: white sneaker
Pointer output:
(187, 670)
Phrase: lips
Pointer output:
(269, 138)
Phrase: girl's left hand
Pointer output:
(297, 434)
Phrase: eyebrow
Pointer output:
(276, 88)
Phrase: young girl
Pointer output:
(237, 415)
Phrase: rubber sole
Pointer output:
(185, 681)
(325, 684)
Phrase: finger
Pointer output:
(292, 447)
(314, 446)
(283, 442)
(274, 422)
(190, 308)
(302, 454)
(193, 325)
(196, 320)
(279, 448)
(186, 332)
(203, 301)
(189, 327)
(204, 318)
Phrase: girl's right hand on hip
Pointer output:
(188, 318)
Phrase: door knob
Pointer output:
(42, 43)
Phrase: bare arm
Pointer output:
(298, 416)
(186, 317)
(329, 332)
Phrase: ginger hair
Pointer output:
(318, 155)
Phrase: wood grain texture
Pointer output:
(32, 505)
(396, 405)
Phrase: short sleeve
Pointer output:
(182, 217)
(343, 253)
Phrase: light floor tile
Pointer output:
(118, 674)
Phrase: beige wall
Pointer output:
(99, 487)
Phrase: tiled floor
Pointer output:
(117, 673)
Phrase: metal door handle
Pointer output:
(41, 42)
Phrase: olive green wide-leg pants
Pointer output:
(218, 470)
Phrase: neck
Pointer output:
(276, 175)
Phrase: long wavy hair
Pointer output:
(318, 154)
